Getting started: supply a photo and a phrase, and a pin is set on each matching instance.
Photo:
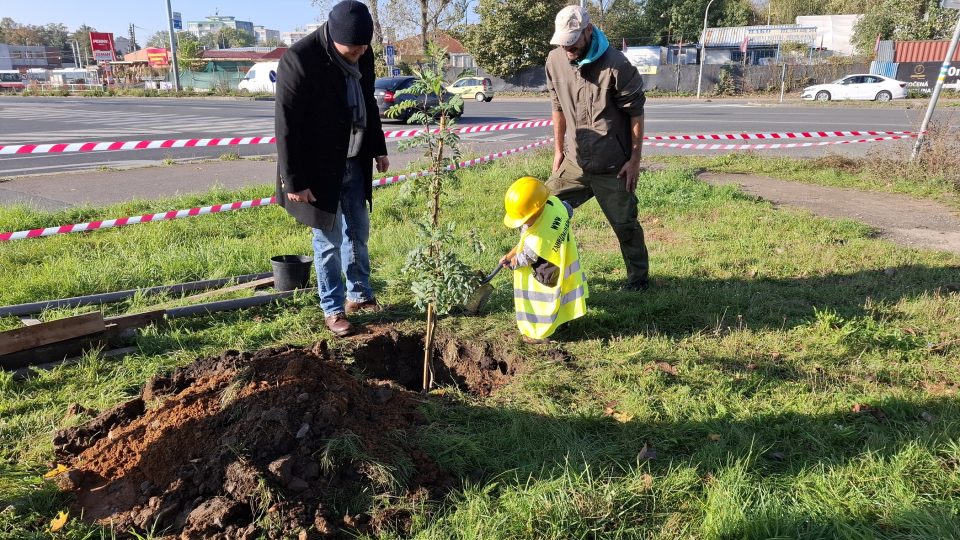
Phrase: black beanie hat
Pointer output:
(350, 23)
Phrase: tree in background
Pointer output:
(623, 21)
(903, 20)
(82, 37)
(189, 50)
(228, 38)
(511, 35)
(425, 17)
(160, 40)
(274, 42)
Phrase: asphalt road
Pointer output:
(56, 120)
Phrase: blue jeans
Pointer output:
(343, 249)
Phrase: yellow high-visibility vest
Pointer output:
(541, 308)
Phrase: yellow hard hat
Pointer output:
(525, 197)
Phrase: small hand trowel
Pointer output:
(480, 296)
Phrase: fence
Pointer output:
(683, 78)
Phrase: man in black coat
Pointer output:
(328, 137)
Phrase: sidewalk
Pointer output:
(902, 219)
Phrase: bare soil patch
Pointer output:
(277, 443)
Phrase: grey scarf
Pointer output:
(354, 94)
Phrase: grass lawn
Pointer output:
(785, 377)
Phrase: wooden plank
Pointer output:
(117, 325)
(239, 287)
(29, 337)
(53, 352)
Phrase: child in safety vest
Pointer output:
(549, 286)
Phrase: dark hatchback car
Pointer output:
(385, 90)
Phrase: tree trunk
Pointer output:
(374, 6)
(424, 24)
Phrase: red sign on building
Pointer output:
(157, 57)
(102, 45)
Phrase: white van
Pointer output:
(262, 77)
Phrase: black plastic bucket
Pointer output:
(291, 271)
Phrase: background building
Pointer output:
(265, 34)
(292, 37)
(754, 45)
(214, 23)
(24, 57)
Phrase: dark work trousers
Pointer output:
(570, 184)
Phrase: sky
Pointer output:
(150, 16)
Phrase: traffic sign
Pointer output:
(391, 52)
(396, 72)
(177, 21)
(950, 4)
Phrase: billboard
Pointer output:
(157, 57)
(101, 43)
(922, 76)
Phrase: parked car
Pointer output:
(478, 88)
(262, 77)
(387, 90)
(859, 86)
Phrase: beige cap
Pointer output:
(570, 23)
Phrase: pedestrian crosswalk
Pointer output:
(22, 123)
(41, 123)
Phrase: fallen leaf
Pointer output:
(647, 452)
(665, 367)
(927, 417)
(751, 366)
(58, 522)
(647, 481)
(779, 251)
(863, 408)
(714, 437)
(60, 469)
(776, 356)
(623, 418)
(438, 392)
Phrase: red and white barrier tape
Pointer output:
(705, 146)
(398, 134)
(190, 212)
(63, 148)
(753, 136)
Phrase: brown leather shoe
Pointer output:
(339, 325)
(370, 306)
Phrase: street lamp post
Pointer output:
(703, 47)
(173, 48)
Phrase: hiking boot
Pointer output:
(638, 286)
(368, 306)
(534, 341)
(338, 324)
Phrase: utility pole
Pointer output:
(133, 39)
(173, 49)
(703, 47)
(936, 90)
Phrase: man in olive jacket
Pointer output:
(598, 124)
(328, 136)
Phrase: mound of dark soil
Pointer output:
(244, 445)
(278, 443)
